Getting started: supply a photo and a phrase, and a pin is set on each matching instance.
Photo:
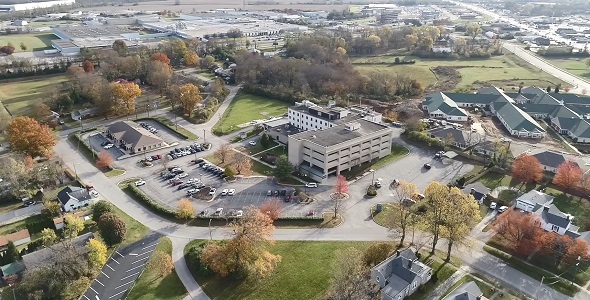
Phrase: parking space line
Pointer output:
(110, 267)
(119, 253)
(129, 276)
(149, 246)
(94, 290)
(119, 293)
(135, 268)
(115, 261)
(140, 259)
(98, 282)
(124, 284)
(85, 297)
(105, 274)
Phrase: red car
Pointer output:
(159, 156)
(177, 183)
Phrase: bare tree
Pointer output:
(399, 223)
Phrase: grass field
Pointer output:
(34, 42)
(150, 286)
(576, 66)
(245, 108)
(397, 152)
(505, 71)
(304, 272)
(19, 95)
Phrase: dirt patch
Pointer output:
(448, 77)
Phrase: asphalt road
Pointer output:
(122, 269)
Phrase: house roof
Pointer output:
(12, 268)
(562, 111)
(133, 134)
(17, 236)
(550, 159)
(533, 108)
(45, 256)
(472, 98)
(581, 129)
(478, 187)
(552, 215)
(572, 98)
(440, 101)
(79, 214)
(466, 291)
(535, 197)
(517, 119)
(532, 90)
(73, 192)
(408, 254)
(399, 272)
(458, 136)
(545, 99)
(566, 123)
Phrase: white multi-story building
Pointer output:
(306, 115)
(34, 5)
(318, 153)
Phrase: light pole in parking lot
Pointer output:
(204, 137)
(201, 177)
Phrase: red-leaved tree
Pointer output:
(568, 175)
(527, 169)
(161, 57)
(341, 186)
(272, 208)
(88, 66)
(522, 230)
(104, 160)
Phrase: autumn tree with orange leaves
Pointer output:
(246, 254)
(26, 135)
(160, 57)
(562, 249)
(568, 175)
(527, 169)
(124, 96)
(272, 208)
(190, 96)
(522, 230)
(88, 66)
(105, 160)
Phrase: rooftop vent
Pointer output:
(353, 126)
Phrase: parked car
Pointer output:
(502, 209)
(28, 203)
(179, 182)
(212, 191)
(427, 166)
(204, 213)
(224, 192)
(283, 192)
(172, 168)
(276, 193)
(239, 213)
(192, 191)
(182, 175)
(252, 143)
(218, 211)
(108, 146)
(311, 185)
(231, 192)
(493, 205)
(139, 183)
(269, 193)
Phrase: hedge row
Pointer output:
(424, 138)
(38, 226)
(150, 204)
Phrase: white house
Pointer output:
(440, 106)
(72, 198)
(552, 219)
(532, 199)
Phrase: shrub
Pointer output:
(100, 208)
(422, 137)
(371, 191)
(377, 253)
(193, 260)
(112, 229)
(150, 204)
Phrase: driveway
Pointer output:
(96, 139)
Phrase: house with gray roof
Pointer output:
(440, 106)
(46, 256)
(516, 121)
(477, 190)
(466, 291)
(133, 138)
(72, 198)
(399, 277)
(549, 160)
(455, 137)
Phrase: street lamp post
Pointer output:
(210, 233)
(201, 177)
(204, 137)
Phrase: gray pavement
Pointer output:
(21, 213)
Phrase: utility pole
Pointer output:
(204, 137)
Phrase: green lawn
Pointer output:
(508, 195)
(135, 230)
(397, 152)
(576, 66)
(440, 272)
(579, 208)
(22, 224)
(151, 286)
(505, 71)
(19, 95)
(33, 41)
(114, 172)
(304, 273)
(493, 180)
(245, 108)
(259, 148)
(278, 151)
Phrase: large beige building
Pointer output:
(320, 153)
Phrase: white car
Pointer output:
(252, 143)
(231, 192)
(224, 192)
(108, 146)
(239, 213)
(493, 205)
(149, 158)
(212, 192)
(502, 209)
(192, 191)
(176, 170)
(93, 193)
(182, 175)
(218, 211)
(139, 183)
(311, 185)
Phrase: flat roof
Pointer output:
(339, 134)
(92, 31)
(64, 44)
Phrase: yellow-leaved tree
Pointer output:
(124, 95)
(97, 253)
(190, 96)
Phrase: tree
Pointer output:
(191, 58)
(272, 208)
(72, 226)
(48, 237)
(242, 164)
(11, 254)
(557, 87)
(568, 175)
(190, 96)
(104, 160)
(225, 153)
(246, 254)
(88, 66)
(473, 30)
(527, 169)
(124, 95)
(548, 89)
(401, 221)
(352, 278)
(283, 167)
(41, 112)
(161, 57)
(23, 46)
(208, 61)
(173, 95)
(340, 192)
(120, 47)
(229, 172)
(376, 253)
(112, 229)
(100, 208)
(185, 209)
(521, 229)
(97, 253)
(51, 208)
(159, 75)
(265, 140)
(459, 218)
(436, 196)
(28, 136)
(8, 50)
(161, 263)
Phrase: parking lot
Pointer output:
(164, 132)
(97, 139)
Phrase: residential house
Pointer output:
(133, 138)
(488, 148)
(400, 275)
(72, 198)
(532, 199)
(477, 190)
(466, 291)
(12, 270)
(83, 114)
(18, 238)
(59, 222)
(455, 137)
(552, 219)
(549, 160)
(442, 46)
(45, 256)
(440, 106)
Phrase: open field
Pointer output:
(304, 272)
(245, 108)
(150, 286)
(506, 71)
(576, 66)
(19, 95)
(33, 41)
